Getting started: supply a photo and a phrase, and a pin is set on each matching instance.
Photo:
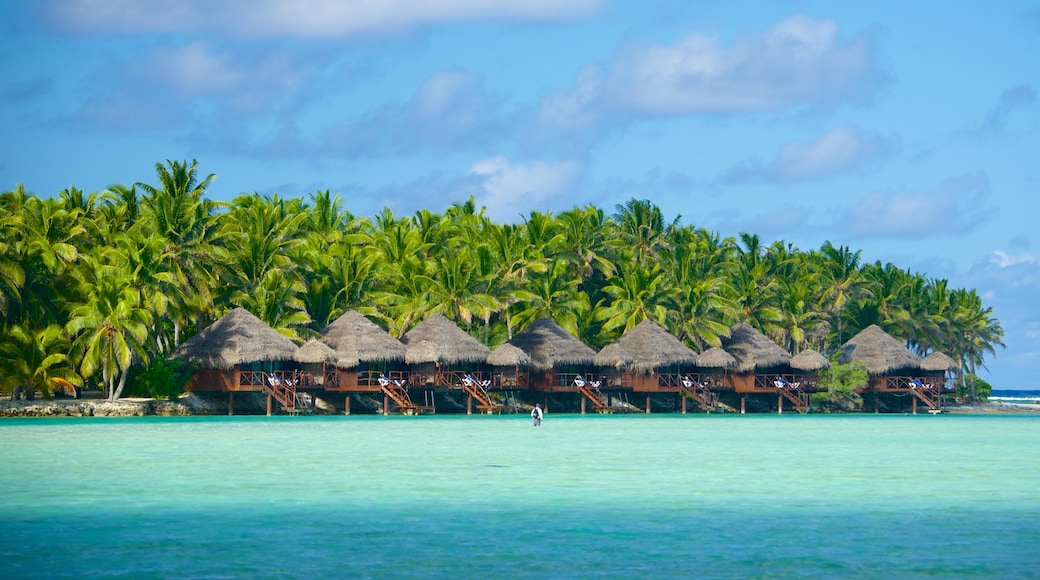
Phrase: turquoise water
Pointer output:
(581, 496)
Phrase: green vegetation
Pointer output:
(104, 285)
(841, 382)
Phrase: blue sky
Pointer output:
(910, 130)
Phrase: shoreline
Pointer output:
(191, 405)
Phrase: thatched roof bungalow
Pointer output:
(647, 358)
(806, 365)
(557, 356)
(509, 366)
(440, 353)
(759, 359)
(892, 367)
(715, 359)
(882, 354)
(365, 351)
(317, 364)
(234, 352)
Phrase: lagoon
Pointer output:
(461, 496)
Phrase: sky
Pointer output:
(907, 130)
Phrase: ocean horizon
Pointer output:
(725, 496)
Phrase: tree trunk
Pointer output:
(16, 394)
(122, 383)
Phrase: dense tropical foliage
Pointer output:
(96, 285)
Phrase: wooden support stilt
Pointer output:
(913, 405)
(683, 397)
(230, 403)
(346, 404)
(469, 404)
(583, 405)
(386, 405)
(779, 404)
(268, 404)
(742, 406)
(648, 404)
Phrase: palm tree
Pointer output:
(35, 360)
(642, 228)
(842, 281)
(584, 242)
(553, 293)
(177, 211)
(109, 328)
(755, 286)
(637, 293)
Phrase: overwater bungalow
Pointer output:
(805, 368)
(763, 367)
(509, 367)
(893, 368)
(370, 361)
(648, 359)
(561, 363)
(439, 354)
(712, 368)
(938, 368)
(240, 353)
(317, 370)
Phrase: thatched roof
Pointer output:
(716, 358)
(879, 351)
(644, 349)
(316, 351)
(356, 339)
(810, 360)
(549, 345)
(439, 340)
(507, 355)
(753, 350)
(236, 339)
(938, 361)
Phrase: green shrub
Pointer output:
(841, 381)
(161, 379)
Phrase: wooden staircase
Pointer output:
(591, 392)
(474, 388)
(700, 394)
(798, 398)
(398, 393)
(283, 390)
(927, 395)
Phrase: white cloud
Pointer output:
(298, 18)
(956, 206)
(1005, 260)
(510, 189)
(834, 152)
(800, 61)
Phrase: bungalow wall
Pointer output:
(215, 380)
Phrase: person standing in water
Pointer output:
(536, 414)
